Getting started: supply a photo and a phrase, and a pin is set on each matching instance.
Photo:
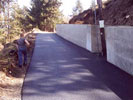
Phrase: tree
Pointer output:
(4, 12)
(17, 19)
(3, 3)
(44, 14)
(93, 7)
(78, 8)
(5, 16)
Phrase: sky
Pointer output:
(66, 7)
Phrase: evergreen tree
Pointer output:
(4, 4)
(17, 17)
(78, 8)
(10, 19)
(17, 20)
(44, 14)
(4, 10)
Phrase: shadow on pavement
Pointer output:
(60, 66)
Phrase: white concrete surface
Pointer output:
(120, 47)
(119, 41)
(82, 35)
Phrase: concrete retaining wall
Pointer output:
(119, 42)
(82, 35)
(120, 47)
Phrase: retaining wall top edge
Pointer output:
(119, 26)
(80, 25)
(76, 24)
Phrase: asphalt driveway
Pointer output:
(60, 70)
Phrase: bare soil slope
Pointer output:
(11, 76)
(115, 12)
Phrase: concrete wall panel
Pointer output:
(120, 47)
(82, 35)
(119, 41)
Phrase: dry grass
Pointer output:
(11, 76)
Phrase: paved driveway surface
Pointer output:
(60, 70)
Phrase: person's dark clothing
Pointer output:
(21, 43)
(22, 52)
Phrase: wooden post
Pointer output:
(102, 32)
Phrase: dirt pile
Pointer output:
(9, 57)
(115, 12)
(11, 76)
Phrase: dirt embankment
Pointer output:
(115, 12)
(11, 76)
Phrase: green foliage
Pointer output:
(78, 8)
(16, 21)
(45, 14)
(3, 4)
